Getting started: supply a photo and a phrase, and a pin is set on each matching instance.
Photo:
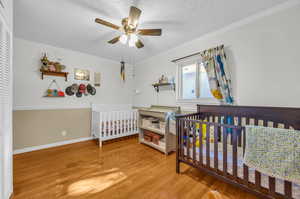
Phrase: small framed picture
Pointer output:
(97, 79)
(82, 74)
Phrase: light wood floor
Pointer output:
(121, 170)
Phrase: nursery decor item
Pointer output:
(45, 62)
(80, 90)
(122, 72)
(50, 65)
(69, 91)
(54, 92)
(215, 62)
(93, 91)
(97, 79)
(158, 85)
(163, 79)
(82, 74)
(74, 87)
(78, 94)
(52, 68)
(90, 89)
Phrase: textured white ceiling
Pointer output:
(70, 23)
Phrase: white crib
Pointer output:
(113, 121)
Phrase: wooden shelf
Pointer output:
(59, 74)
(158, 147)
(154, 130)
(157, 85)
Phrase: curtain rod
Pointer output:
(198, 53)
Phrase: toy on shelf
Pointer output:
(164, 81)
(51, 66)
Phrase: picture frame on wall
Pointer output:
(97, 79)
(81, 74)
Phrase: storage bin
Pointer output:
(148, 138)
(155, 140)
(148, 133)
(154, 137)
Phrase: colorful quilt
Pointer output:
(274, 151)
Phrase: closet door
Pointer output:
(5, 110)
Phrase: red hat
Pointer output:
(82, 88)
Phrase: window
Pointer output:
(193, 85)
(188, 86)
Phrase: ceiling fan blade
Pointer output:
(134, 16)
(106, 23)
(114, 40)
(139, 44)
(150, 32)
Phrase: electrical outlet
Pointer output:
(64, 133)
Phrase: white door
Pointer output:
(5, 110)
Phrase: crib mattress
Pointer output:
(264, 178)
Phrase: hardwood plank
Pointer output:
(120, 170)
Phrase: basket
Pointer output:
(148, 138)
(153, 136)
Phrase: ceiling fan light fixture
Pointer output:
(130, 34)
(131, 43)
(132, 40)
(133, 37)
(123, 39)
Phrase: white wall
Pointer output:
(29, 88)
(263, 54)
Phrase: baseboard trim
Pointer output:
(46, 146)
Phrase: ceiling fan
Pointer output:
(130, 33)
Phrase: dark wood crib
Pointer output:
(219, 149)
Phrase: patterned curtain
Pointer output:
(218, 74)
